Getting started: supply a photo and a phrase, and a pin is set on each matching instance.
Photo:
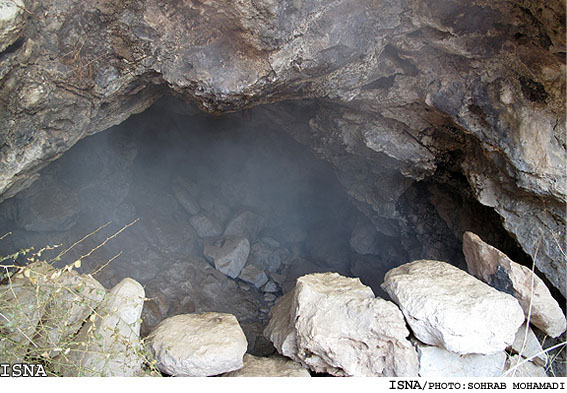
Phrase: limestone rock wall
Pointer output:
(406, 91)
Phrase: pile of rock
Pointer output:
(460, 325)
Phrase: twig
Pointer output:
(20, 330)
(106, 264)
(533, 357)
(80, 241)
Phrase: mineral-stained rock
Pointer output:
(198, 345)
(229, 254)
(108, 343)
(273, 366)
(519, 367)
(438, 362)
(527, 345)
(335, 325)
(447, 307)
(205, 226)
(246, 224)
(495, 268)
(12, 21)
(253, 275)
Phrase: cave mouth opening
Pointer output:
(201, 190)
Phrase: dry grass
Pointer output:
(39, 317)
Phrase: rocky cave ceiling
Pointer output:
(458, 95)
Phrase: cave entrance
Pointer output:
(221, 213)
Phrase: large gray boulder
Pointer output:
(445, 306)
(198, 345)
(335, 325)
(495, 268)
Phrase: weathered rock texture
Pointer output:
(274, 366)
(335, 325)
(445, 306)
(198, 345)
(401, 91)
(495, 268)
(438, 362)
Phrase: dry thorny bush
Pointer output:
(51, 316)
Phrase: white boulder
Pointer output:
(445, 306)
(334, 324)
(198, 345)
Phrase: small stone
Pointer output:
(246, 224)
(269, 297)
(198, 345)
(518, 367)
(270, 287)
(527, 345)
(445, 306)
(229, 254)
(205, 226)
(437, 362)
(264, 310)
(495, 268)
(274, 366)
(254, 275)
